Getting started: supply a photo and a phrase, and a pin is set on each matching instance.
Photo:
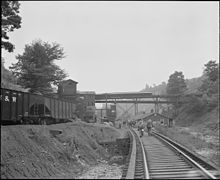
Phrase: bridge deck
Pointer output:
(136, 95)
(132, 101)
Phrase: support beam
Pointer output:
(139, 101)
(125, 111)
(136, 107)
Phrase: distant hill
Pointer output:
(156, 89)
(192, 86)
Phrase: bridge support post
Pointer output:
(156, 105)
(106, 106)
(135, 107)
(101, 115)
(115, 109)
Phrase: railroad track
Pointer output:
(136, 164)
(158, 157)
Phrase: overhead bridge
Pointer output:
(131, 95)
(136, 98)
(134, 101)
(123, 95)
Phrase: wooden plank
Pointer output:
(165, 167)
(170, 170)
(168, 176)
(189, 172)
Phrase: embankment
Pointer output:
(53, 151)
(198, 132)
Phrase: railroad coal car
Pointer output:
(28, 108)
(86, 106)
(111, 113)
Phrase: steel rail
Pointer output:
(145, 161)
(131, 166)
(131, 171)
(204, 171)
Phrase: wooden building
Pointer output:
(159, 119)
(86, 105)
(68, 89)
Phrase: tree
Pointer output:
(35, 68)
(210, 84)
(176, 83)
(147, 87)
(10, 21)
(211, 70)
(209, 87)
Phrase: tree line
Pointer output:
(207, 94)
(177, 84)
(35, 68)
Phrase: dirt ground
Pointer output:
(53, 151)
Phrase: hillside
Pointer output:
(197, 132)
(54, 151)
(193, 84)
(206, 122)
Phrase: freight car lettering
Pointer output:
(6, 98)
(13, 99)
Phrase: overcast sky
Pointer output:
(121, 46)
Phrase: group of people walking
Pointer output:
(143, 127)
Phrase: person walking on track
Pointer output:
(141, 129)
(149, 127)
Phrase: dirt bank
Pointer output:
(205, 122)
(198, 131)
(205, 146)
(53, 151)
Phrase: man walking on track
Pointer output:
(149, 127)
(141, 128)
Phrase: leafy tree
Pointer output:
(176, 83)
(147, 87)
(10, 21)
(156, 89)
(210, 84)
(35, 68)
(209, 87)
(212, 70)
(196, 104)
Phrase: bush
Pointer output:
(213, 102)
(196, 104)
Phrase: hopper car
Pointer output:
(19, 107)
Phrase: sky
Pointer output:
(122, 46)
